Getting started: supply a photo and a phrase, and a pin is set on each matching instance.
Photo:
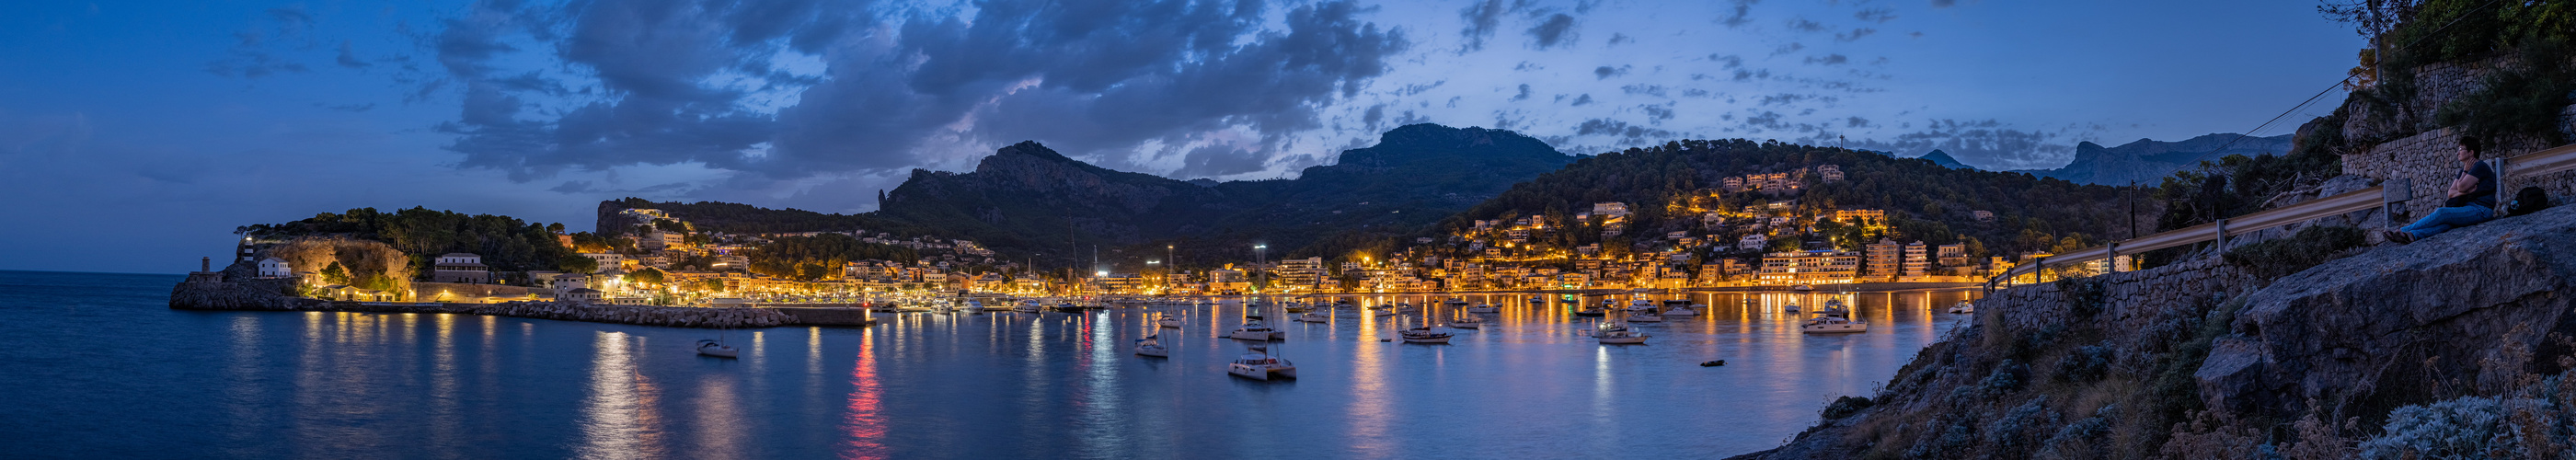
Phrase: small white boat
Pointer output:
(1259, 365)
(1802, 287)
(1152, 345)
(1466, 322)
(1484, 308)
(710, 347)
(1382, 312)
(1254, 330)
(1963, 308)
(1792, 308)
(1619, 335)
(1681, 308)
(1027, 306)
(1313, 318)
(1831, 324)
(974, 306)
(1168, 322)
(1424, 334)
(1645, 317)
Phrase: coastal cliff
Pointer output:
(2460, 345)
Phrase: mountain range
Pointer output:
(1027, 199)
(2147, 161)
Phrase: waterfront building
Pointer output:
(1917, 259)
(1301, 272)
(1951, 255)
(458, 267)
(1885, 258)
(1813, 266)
(272, 267)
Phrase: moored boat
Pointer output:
(1254, 330)
(1259, 365)
(711, 347)
(1152, 345)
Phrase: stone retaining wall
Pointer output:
(2130, 300)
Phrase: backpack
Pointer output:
(2528, 200)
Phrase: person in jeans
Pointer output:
(2473, 200)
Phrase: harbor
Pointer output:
(1045, 384)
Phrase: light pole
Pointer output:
(1260, 257)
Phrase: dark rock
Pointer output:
(2419, 316)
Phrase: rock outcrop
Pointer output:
(2199, 359)
(2464, 311)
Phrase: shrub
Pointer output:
(2080, 440)
(2087, 363)
(1845, 407)
(2281, 257)
(2469, 427)
(2014, 432)
(2006, 379)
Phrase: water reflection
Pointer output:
(1037, 385)
(620, 418)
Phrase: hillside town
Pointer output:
(661, 259)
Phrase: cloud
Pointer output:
(1645, 89)
(1739, 13)
(1656, 113)
(1944, 3)
(1804, 25)
(1855, 34)
(1579, 101)
(1558, 29)
(1792, 47)
(1482, 17)
(1605, 72)
(710, 82)
(1524, 94)
(1729, 60)
(1856, 122)
(1220, 161)
(1878, 14)
(1829, 59)
(1619, 38)
(349, 57)
(1627, 134)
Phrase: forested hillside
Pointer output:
(506, 243)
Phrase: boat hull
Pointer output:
(1628, 340)
(1834, 328)
(1158, 352)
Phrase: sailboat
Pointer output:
(1615, 331)
(1168, 322)
(716, 347)
(1484, 308)
(1152, 345)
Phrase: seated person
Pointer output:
(2473, 200)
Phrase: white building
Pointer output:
(606, 260)
(273, 267)
(458, 267)
(1753, 242)
(1613, 209)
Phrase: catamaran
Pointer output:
(1259, 365)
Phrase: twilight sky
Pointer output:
(137, 134)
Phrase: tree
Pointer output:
(578, 264)
(646, 275)
(334, 274)
(810, 271)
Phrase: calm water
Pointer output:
(102, 368)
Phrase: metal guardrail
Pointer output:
(2561, 158)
